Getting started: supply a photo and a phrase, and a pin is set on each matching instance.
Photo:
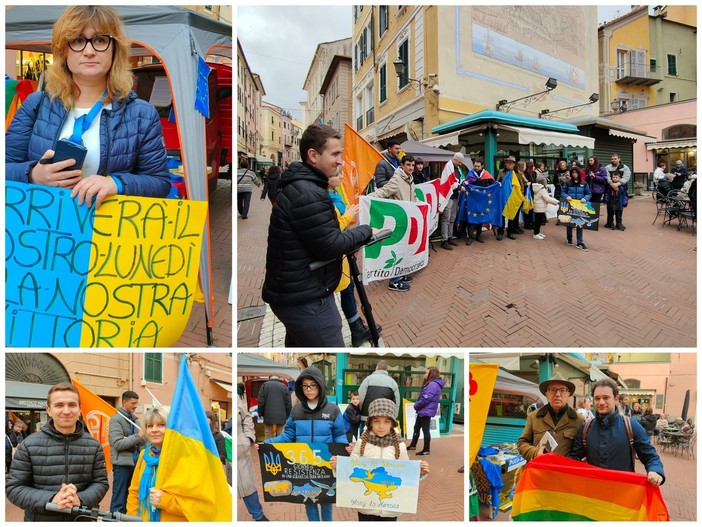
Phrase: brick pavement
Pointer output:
(440, 494)
(635, 288)
(679, 490)
(195, 334)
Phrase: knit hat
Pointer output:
(383, 408)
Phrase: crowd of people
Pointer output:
(367, 425)
(62, 463)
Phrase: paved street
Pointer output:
(679, 490)
(195, 334)
(440, 494)
(635, 288)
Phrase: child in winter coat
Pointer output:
(313, 419)
(352, 417)
(380, 441)
(616, 199)
(541, 201)
(575, 189)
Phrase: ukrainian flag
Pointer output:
(512, 191)
(189, 469)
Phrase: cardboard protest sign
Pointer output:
(377, 484)
(121, 276)
(299, 472)
(576, 213)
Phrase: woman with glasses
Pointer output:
(89, 111)
(313, 419)
(556, 418)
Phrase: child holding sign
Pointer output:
(313, 420)
(380, 441)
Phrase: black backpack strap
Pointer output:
(585, 429)
(630, 435)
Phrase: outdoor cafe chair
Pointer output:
(661, 204)
(673, 206)
(688, 444)
(665, 441)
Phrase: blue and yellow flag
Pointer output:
(189, 469)
(512, 191)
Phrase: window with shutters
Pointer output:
(672, 64)
(382, 20)
(638, 64)
(403, 55)
(383, 82)
(652, 65)
(153, 367)
(622, 58)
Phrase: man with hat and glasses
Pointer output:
(556, 418)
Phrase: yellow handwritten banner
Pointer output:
(122, 276)
(482, 382)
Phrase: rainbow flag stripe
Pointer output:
(556, 488)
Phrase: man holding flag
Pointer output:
(126, 439)
(512, 181)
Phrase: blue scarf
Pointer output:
(337, 200)
(147, 481)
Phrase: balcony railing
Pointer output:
(370, 116)
(637, 74)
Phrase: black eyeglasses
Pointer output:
(99, 42)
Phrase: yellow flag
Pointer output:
(96, 414)
(360, 159)
(482, 381)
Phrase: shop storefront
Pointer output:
(27, 64)
(496, 135)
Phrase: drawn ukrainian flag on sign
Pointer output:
(189, 469)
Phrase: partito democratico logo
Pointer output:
(99, 426)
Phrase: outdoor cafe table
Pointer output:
(674, 435)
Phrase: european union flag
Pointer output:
(481, 204)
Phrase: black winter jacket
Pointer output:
(303, 229)
(48, 458)
(274, 403)
(385, 169)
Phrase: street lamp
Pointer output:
(551, 84)
(401, 68)
(619, 105)
(571, 109)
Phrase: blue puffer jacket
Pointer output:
(131, 143)
(576, 190)
(429, 397)
(608, 445)
(324, 424)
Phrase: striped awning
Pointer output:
(675, 143)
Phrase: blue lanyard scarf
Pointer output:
(84, 121)
(147, 481)
(337, 200)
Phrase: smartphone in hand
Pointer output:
(66, 149)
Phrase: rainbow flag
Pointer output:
(189, 469)
(557, 488)
(96, 414)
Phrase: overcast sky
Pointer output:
(279, 43)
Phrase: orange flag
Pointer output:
(96, 414)
(360, 159)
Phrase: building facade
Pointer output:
(336, 94)
(249, 90)
(271, 147)
(453, 61)
(648, 57)
(313, 110)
